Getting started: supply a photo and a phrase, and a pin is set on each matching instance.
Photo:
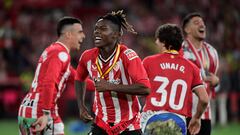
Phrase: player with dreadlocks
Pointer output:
(119, 77)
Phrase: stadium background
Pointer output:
(28, 26)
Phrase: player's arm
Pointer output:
(137, 73)
(203, 101)
(195, 122)
(132, 89)
(80, 90)
(213, 78)
(52, 67)
(199, 89)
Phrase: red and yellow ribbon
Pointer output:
(102, 74)
(171, 51)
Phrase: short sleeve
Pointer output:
(81, 72)
(197, 78)
(135, 68)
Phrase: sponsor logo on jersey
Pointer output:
(130, 54)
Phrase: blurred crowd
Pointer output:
(29, 26)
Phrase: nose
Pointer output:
(201, 23)
(84, 35)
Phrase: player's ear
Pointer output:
(187, 30)
(117, 35)
(68, 34)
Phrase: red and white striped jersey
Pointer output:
(114, 107)
(172, 79)
(207, 60)
(51, 74)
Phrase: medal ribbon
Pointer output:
(171, 51)
(102, 74)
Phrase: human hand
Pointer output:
(212, 79)
(194, 126)
(102, 85)
(84, 115)
(40, 123)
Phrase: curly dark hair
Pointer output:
(119, 18)
(170, 35)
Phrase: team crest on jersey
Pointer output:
(158, 122)
(63, 56)
(130, 54)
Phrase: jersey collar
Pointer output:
(63, 45)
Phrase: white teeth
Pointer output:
(98, 38)
(201, 30)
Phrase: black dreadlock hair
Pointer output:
(119, 18)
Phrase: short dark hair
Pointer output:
(170, 35)
(187, 18)
(67, 20)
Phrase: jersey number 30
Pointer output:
(170, 93)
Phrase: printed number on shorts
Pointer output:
(176, 85)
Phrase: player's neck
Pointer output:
(197, 43)
(107, 51)
(64, 44)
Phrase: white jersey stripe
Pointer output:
(24, 111)
(102, 101)
(116, 107)
(115, 101)
(95, 93)
(129, 97)
(35, 106)
(124, 79)
(28, 97)
(104, 109)
(64, 77)
(89, 63)
(56, 110)
(96, 103)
